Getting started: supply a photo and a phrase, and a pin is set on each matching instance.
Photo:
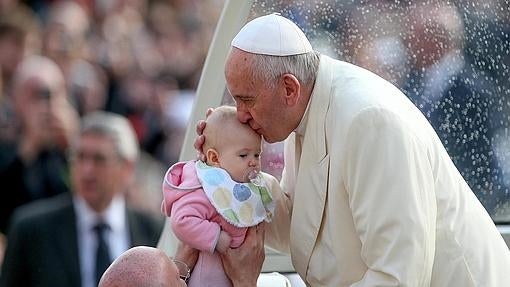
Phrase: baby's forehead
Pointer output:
(222, 114)
(233, 130)
(224, 121)
(235, 134)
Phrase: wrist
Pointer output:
(223, 242)
(186, 254)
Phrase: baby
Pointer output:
(212, 204)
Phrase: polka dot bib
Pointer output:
(241, 204)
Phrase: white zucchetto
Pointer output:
(272, 35)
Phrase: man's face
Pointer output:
(98, 173)
(36, 104)
(259, 105)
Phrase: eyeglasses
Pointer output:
(97, 159)
(184, 270)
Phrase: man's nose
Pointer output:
(242, 114)
(86, 167)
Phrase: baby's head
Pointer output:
(230, 144)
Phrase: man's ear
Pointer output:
(128, 170)
(212, 157)
(292, 89)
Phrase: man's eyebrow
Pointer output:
(243, 97)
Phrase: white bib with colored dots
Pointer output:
(241, 204)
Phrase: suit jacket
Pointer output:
(376, 200)
(42, 243)
(46, 176)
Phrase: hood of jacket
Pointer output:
(180, 179)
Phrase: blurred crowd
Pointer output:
(137, 58)
(61, 60)
(451, 58)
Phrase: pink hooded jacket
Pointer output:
(193, 218)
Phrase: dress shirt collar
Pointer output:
(114, 215)
(301, 128)
(117, 237)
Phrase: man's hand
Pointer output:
(186, 254)
(243, 264)
(223, 242)
(200, 140)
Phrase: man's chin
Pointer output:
(268, 140)
(271, 139)
(276, 136)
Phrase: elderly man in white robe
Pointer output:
(370, 196)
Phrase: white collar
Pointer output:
(301, 128)
(114, 215)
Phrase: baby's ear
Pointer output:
(212, 157)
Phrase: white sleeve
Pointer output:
(278, 231)
(391, 193)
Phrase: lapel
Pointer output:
(143, 229)
(66, 243)
(136, 235)
(311, 181)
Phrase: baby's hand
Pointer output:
(223, 242)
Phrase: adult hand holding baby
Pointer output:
(200, 140)
(244, 264)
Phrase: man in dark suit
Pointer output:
(69, 240)
(34, 165)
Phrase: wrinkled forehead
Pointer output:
(238, 62)
(94, 142)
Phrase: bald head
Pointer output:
(41, 70)
(142, 266)
(37, 79)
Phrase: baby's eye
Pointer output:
(243, 155)
(257, 155)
